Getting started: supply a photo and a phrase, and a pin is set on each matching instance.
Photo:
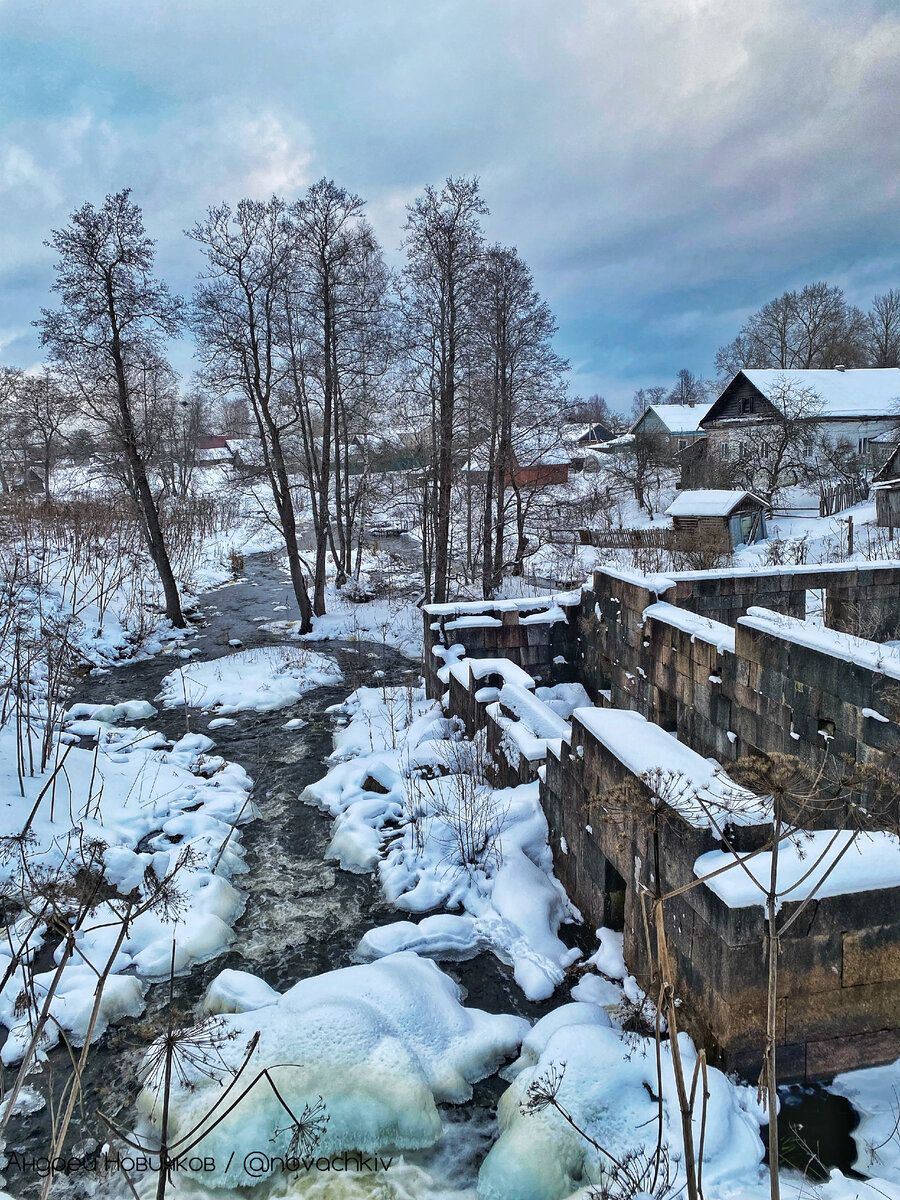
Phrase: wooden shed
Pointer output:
(886, 486)
(717, 519)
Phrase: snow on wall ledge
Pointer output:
(696, 788)
(823, 863)
(874, 656)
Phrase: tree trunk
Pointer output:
(144, 492)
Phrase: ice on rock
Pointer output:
(382, 1044)
(541, 1157)
(111, 714)
(236, 992)
(443, 936)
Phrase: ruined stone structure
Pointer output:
(724, 663)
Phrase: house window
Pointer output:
(682, 442)
(723, 450)
(746, 405)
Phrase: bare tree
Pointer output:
(524, 392)
(443, 249)
(114, 314)
(238, 318)
(334, 304)
(644, 397)
(812, 327)
(883, 330)
(687, 389)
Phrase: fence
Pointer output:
(628, 539)
(835, 497)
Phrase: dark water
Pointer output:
(815, 1130)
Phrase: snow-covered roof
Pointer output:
(708, 502)
(853, 392)
(677, 418)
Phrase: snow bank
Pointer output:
(404, 786)
(263, 679)
(381, 1044)
(875, 1094)
(139, 811)
(607, 1086)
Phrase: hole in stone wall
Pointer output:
(815, 606)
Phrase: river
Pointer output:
(303, 915)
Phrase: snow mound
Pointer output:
(381, 1044)
(403, 787)
(607, 1087)
(263, 679)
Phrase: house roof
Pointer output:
(677, 418)
(708, 502)
(854, 392)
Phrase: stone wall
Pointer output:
(682, 652)
(729, 692)
(839, 968)
(538, 635)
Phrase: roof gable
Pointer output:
(862, 393)
(676, 419)
(890, 472)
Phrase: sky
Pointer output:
(664, 166)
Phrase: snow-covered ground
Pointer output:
(411, 802)
(134, 833)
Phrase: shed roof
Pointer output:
(708, 502)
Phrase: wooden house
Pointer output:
(674, 425)
(717, 519)
(846, 406)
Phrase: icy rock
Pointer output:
(237, 992)
(443, 936)
(382, 1044)
(264, 679)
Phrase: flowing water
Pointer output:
(303, 915)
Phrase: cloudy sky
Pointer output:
(664, 165)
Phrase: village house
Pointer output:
(539, 459)
(854, 407)
(674, 427)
